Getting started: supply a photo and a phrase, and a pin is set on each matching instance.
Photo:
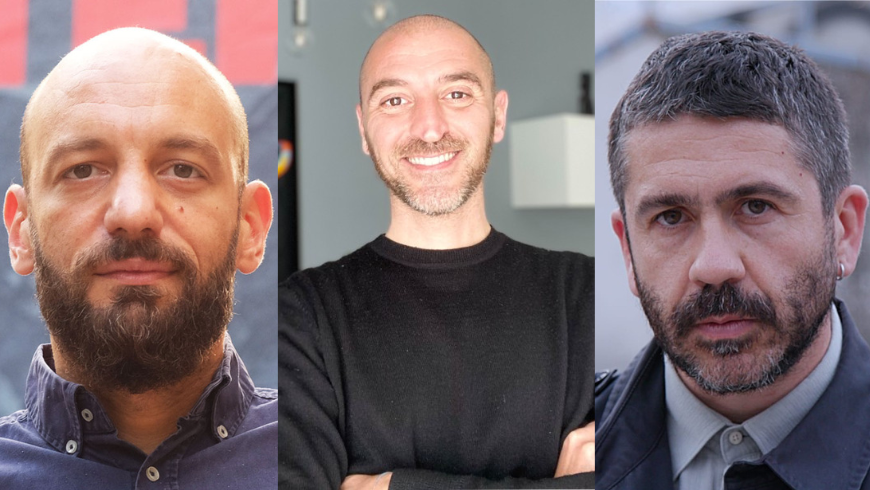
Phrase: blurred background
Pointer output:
(834, 34)
(330, 193)
(241, 41)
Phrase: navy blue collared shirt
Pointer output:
(64, 439)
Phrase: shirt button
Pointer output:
(222, 431)
(71, 446)
(87, 415)
(152, 473)
(735, 437)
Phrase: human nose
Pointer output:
(428, 122)
(718, 258)
(133, 210)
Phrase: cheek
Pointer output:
(383, 135)
(662, 270)
(63, 232)
(206, 233)
(656, 258)
(479, 124)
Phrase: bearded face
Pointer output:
(142, 339)
(433, 192)
(785, 328)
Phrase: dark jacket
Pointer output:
(829, 448)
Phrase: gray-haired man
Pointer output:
(730, 163)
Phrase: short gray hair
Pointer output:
(742, 75)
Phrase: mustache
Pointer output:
(444, 145)
(724, 300)
(146, 248)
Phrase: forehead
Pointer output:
(129, 100)
(423, 52)
(702, 158)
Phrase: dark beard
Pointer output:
(132, 344)
(808, 296)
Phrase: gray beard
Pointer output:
(434, 205)
(808, 296)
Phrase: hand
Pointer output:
(367, 482)
(578, 452)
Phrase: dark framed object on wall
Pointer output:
(288, 210)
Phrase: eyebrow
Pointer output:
(58, 150)
(386, 83)
(756, 189)
(673, 200)
(200, 145)
(664, 200)
(463, 76)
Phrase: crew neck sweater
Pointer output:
(461, 368)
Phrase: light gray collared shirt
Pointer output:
(704, 443)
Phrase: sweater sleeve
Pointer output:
(431, 480)
(312, 452)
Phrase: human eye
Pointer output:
(394, 102)
(80, 172)
(459, 98)
(183, 171)
(755, 207)
(669, 218)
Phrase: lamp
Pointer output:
(301, 37)
(380, 13)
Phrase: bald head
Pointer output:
(118, 57)
(421, 25)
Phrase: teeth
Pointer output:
(429, 161)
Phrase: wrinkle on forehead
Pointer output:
(131, 56)
(688, 143)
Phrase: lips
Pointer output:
(135, 271)
(431, 161)
(724, 327)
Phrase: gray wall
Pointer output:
(538, 50)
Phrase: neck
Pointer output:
(147, 419)
(739, 407)
(464, 227)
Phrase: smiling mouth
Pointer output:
(433, 160)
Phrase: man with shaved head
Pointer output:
(134, 214)
(442, 354)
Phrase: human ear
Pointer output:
(501, 105)
(618, 224)
(254, 226)
(362, 130)
(18, 226)
(849, 218)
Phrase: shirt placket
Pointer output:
(161, 468)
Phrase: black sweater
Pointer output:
(459, 368)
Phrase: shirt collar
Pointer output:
(771, 426)
(691, 424)
(55, 405)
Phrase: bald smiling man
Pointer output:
(442, 354)
(134, 214)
